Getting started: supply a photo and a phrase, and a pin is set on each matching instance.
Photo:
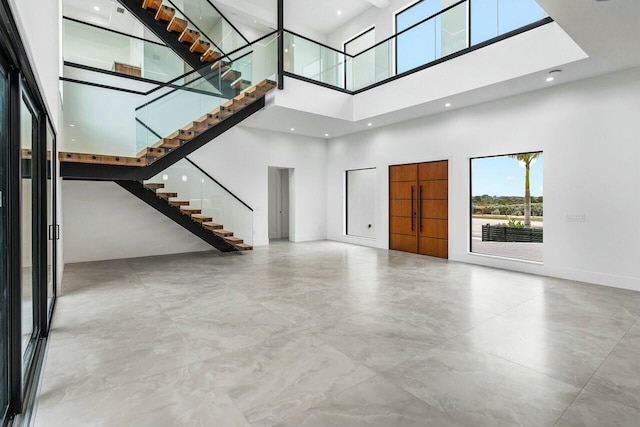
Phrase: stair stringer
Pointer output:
(149, 197)
(134, 173)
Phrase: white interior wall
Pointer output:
(117, 225)
(589, 133)
(240, 159)
(39, 26)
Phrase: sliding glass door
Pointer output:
(4, 256)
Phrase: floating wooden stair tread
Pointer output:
(189, 210)
(165, 13)
(243, 247)
(153, 152)
(201, 218)
(210, 56)
(234, 240)
(223, 66)
(212, 226)
(189, 36)
(99, 159)
(241, 84)
(151, 4)
(231, 75)
(166, 195)
(199, 46)
(167, 143)
(177, 25)
(153, 186)
(222, 233)
(178, 203)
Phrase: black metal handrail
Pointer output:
(88, 24)
(196, 27)
(318, 43)
(221, 186)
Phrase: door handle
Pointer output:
(57, 232)
(49, 232)
(412, 208)
(420, 208)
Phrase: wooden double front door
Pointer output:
(419, 208)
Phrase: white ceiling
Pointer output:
(608, 31)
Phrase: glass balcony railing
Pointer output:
(135, 125)
(204, 17)
(454, 29)
(191, 184)
(104, 49)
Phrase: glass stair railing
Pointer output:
(105, 125)
(198, 24)
(192, 192)
(87, 45)
(465, 24)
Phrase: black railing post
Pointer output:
(281, 44)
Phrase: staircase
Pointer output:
(192, 46)
(181, 137)
(181, 212)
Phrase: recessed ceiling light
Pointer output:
(326, 135)
(293, 129)
(255, 21)
(96, 8)
(185, 178)
(369, 124)
(339, 12)
(72, 126)
(448, 104)
(73, 140)
(286, 50)
(552, 75)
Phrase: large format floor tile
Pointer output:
(329, 334)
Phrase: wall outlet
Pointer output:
(576, 218)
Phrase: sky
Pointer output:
(489, 18)
(503, 176)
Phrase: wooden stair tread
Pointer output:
(100, 159)
(210, 56)
(165, 13)
(152, 152)
(167, 143)
(166, 195)
(178, 203)
(177, 25)
(213, 226)
(201, 218)
(151, 4)
(189, 36)
(223, 233)
(243, 247)
(154, 186)
(241, 84)
(199, 46)
(223, 66)
(234, 240)
(231, 75)
(190, 210)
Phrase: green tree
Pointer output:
(526, 159)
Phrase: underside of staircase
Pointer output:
(130, 172)
(187, 42)
(166, 151)
(190, 218)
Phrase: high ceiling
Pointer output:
(607, 31)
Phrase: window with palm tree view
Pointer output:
(507, 206)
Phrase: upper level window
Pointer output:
(416, 47)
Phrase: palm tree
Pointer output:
(526, 159)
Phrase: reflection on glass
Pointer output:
(50, 228)
(313, 61)
(507, 206)
(193, 186)
(106, 50)
(27, 124)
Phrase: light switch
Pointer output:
(576, 218)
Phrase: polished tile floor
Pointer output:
(327, 334)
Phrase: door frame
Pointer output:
(450, 179)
